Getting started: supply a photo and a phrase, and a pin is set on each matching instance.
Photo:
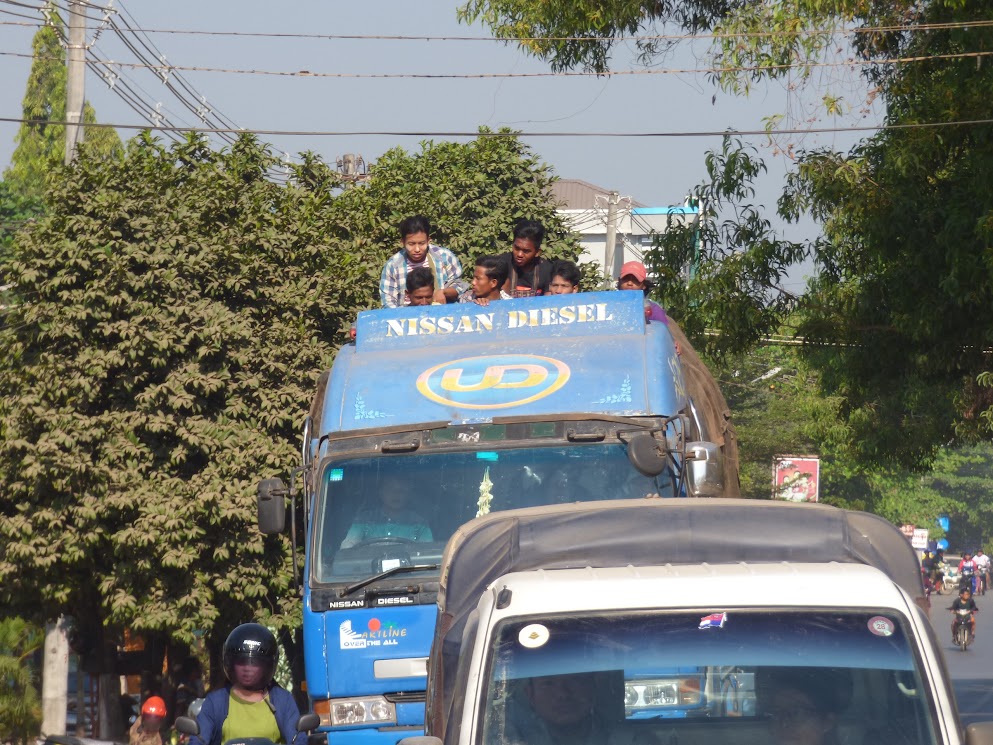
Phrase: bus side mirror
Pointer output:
(272, 506)
(704, 470)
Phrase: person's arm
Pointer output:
(389, 285)
(287, 715)
(210, 719)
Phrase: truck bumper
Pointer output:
(381, 736)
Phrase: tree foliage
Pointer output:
(41, 145)
(899, 315)
(20, 702)
(177, 307)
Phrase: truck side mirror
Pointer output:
(308, 722)
(646, 454)
(272, 506)
(704, 470)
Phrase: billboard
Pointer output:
(796, 478)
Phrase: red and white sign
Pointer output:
(796, 478)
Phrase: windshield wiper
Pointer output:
(388, 573)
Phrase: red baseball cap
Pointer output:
(636, 269)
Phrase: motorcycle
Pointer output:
(967, 581)
(189, 727)
(962, 628)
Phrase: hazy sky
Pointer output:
(656, 171)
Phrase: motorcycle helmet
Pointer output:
(153, 711)
(250, 656)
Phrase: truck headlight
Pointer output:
(662, 692)
(344, 712)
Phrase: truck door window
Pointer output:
(653, 678)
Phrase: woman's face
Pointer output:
(796, 720)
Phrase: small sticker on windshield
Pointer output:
(488, 455)
(881, 626)
(337, 474)
(533, 635)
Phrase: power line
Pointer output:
(596, 39)
(643, 135)
(168, 69)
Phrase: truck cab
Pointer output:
(687, 622)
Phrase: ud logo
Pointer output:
(493, 382)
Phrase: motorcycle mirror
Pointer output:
(308, 722)
(187, 726)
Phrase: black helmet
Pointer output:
(250, 656)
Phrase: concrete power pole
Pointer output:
(55, 678)
(75, 67)
(610, 265)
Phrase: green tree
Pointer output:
(20, 702)
(41, 145)
(177, 308)
(903, 286)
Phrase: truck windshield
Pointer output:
(651, 678)
(399, 510)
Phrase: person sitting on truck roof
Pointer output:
(488, 278)
(528, 273)
(635, 277)
(389, 519)
(417, 251)
(420, 287)
(565, 278)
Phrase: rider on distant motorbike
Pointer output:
(967, 569)
(251, 705)
(965, 602)
(983, 568)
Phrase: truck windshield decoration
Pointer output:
(378, 513)
(649, 678)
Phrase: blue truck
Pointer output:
(437, 415)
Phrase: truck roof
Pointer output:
(651, 532)
(586, 352)
(714, 586)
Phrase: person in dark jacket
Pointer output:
(251, 704)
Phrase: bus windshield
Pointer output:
(377, 513)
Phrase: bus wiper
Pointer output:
(388, 573)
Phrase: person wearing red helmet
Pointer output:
(252, 704)
(145, 730)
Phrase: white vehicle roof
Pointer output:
(712, 587)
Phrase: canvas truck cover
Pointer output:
(644, 533)
(586, 352)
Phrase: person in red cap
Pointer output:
(145, 730)
(634, 277)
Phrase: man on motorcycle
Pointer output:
(967, 570)
(964, 602)
(983, 568)
(146, 729)
(251, 704)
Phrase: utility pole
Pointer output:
(609, 269)
(75, 67)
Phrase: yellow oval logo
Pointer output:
(494, 381)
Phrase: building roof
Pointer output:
(575, 194)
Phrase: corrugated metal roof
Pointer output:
(575, 194)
